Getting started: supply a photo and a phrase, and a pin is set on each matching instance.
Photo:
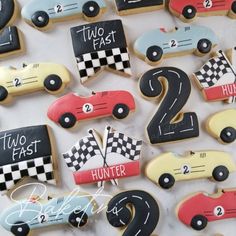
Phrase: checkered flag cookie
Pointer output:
(38, 168)
(213, 70)
(81, 152)
(126, 146)
(116, 59)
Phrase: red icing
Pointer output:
(201, 204)
(107, 173)
(102, 104)
(217, 5)
(220, 92)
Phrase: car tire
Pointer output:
(20, 229)
(189, 12)
(166, 181)
(228, 135)
(40, 19)
(3, 94)
(220, 173)
(204, 46)
(120, 111)
(67, 120)
(154, 54)
(233, 7)
(91, 9)
(78, 219)
(53, 83)
(199, 222)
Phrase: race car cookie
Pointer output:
(222, 126)
(33, 77)
(72, 107)
(200, 208)
(135, 212)
(188, 10)
(126, 7)
(96, 158)
(156, 45)
(41, 14)
(98, 46)
(30, 214)
(26, 152)
(169, 168)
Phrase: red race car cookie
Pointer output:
(72, 107)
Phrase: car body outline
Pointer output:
(199, 164)
(217, 123)
(31, 78)
(29, 212)
(186, 38)
(207, 205)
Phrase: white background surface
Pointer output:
(56, 46)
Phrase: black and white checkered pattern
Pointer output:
(126, 146)
(213, 70)
(39, 168)
(81, 152)
(116, 59)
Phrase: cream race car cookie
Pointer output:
(33, 77)
(158, 44)
(169, 168)
(42, 13)
(222, 126)
(72, 107)
(27, 215)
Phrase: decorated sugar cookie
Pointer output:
(26, 152)
(11, 41)
(72, 107)
(169, 168)
(156, 45)
(188, 10)
(136, 212)
(200, 208)
(169, 124)
(33, 77)
(217, 78)
(27, 215)
(100, 45)
(8, 12)
(95, 159)
(222, 126)
(41, 14)
(126, 7)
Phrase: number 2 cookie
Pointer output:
(169, 168)
(188, 10)
(72, 107)
(222, 126)
(169, 123)
(42, 13)
(100, 45)
(156, 45)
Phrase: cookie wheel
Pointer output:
(199, 222)
(120, 111)
(67, 120)
(40, 19)
(189, 12)
(20, 229)
(166, 181)
(228, 135)
(91, 9)
(78, 219)
(154, 54)
(53, 83)
(220, 173)
(3, 94)
(204, 46)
